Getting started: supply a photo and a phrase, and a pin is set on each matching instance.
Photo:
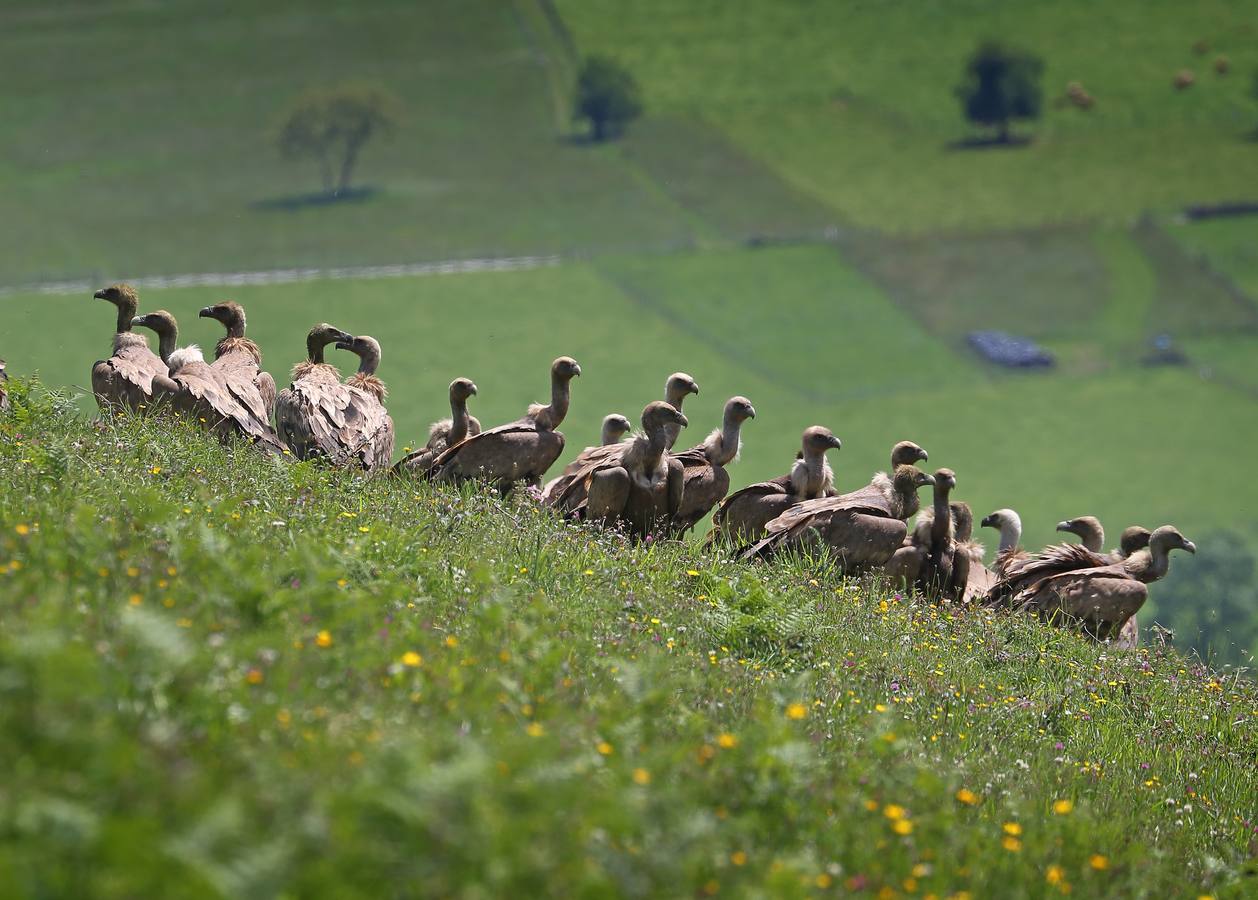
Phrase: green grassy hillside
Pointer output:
(224, 676)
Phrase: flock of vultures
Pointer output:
(634, 481)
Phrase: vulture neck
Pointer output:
(611, 434)
(552, 415)
(656, 445)
(1159, 561)
(722, 450)
(126, 312)
(1010, 535)
(1093, 538)
(815, 473)
(459, 421)
(905, 498)
(943, 515)
(368, 363)
(235, 327)
(314, 348)
(166, 340)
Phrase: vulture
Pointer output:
(125, 380)
(368, 423)
(925, 558)
(1089, 530)
(445, 433)
(196, 389)
(1009, 524)
(239, 360)
(1092, 536)
(1134, 537)
(1071, 584)
(703, 466)
(679, 384)
(742, 516)
(970, 578)
(862, 529)
(639, 486)
(311, 413)
(4, 394)
(519, 451)
(615, 427)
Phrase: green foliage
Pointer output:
(1002, 84)
(1210, 604)
(223, 676)
(332, 126)
(607, 96)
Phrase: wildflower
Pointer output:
(823, 880)
(535, 729)
(726, 741)
(1012, 828)
(254, 676)
(871, 805)
(524, 570)
(132, 571)
(412, 659)
(693, 573)
(1098, 862)
(903, 826)
(893, 812)
(604, 748)
(796, 711)
(641, 776)
(1011, 843)
(1054, 874)
(324, 638)
(738, 858)
(1063, 807)
(22, 528)
(968, 797)
(452, 641)
(135, 599)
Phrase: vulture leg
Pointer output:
(608, 494)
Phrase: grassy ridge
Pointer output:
(227, 677)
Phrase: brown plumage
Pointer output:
(446, 432)
(369, 424)
(4, 392)
(970, 578)
(676, 388)
(518, 451)
(1070, 585)
(924, 560)
(312, 413)
(1089, 530)
(239, 360)
(615, 426)
(703, 466)
(742, 516)
(638, 487)
(125, 380)
(194, 389)
(862, 529)
(1009, 524)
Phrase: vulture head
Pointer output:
(1134, 537)
(564, 369)
(1002, 518)
(163, 324)
(615, 426)
(1089, 530)
(1167, 538)
(366, 348)
(124, 297)
(908, 479)
(906, 453)
(320, 336)
(739, 409)
(945, 478)
(230, 313)
(658, 414)
(461, 389)
(962, 520)
(818, 439)
(679, 384)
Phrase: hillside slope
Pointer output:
(225, 676)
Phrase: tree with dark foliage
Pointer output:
(1001, 84)
(332, 127)
(607, 96)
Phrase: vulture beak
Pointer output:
(576, 370)
(683, 421)
(472, 390)
(1063, 526)
(988, 522)
(1190, 547)
(694, 389)
(344, 345)
(138, 320)
(926, 479)
(206, 313)
(751, 412)
(836, 443)
(100, 295)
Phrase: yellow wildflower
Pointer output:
(903, 826)
(1098, 862)
(535, 729)
(254, 676)
(796, 711)
(968, 797)
(641, 776)
(1011, 843)
(738, 858)
(604, 748)
(727, 741)
(324, 638)
(22, 528)
(1063, 807)
(893, 812)
(1054, 874)
(412, 659)
(1012, 828)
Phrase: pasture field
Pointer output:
(852, 103)
(224, 676)
(1073, 442)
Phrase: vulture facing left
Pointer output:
(239, 360)
(125, 380)
(366, 420)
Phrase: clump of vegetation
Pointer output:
(332, 126)
(607, 96)
(221, 675)
(1001, 85)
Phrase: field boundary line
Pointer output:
(296, 275)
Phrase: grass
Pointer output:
(863, 117)
(228, 677)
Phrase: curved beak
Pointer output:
(751, 412)
(1063, 526)
(925, 456)
(100, 295)
(472, 390)
(139, 320)
(344, 345)
(207, 312)
(683, 421)
(1190, 547)
(927, 479)
(576, 370)
(836, 443)
(694, 388)
(988, 522)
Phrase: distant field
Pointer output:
(853, 102)
(1050, 445)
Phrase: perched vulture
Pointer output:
(615, 427)
(679, 384)
(1071, 585)
(311, 414)
(742, 516)
(125, 380)
(638, 487)
(4, 394)
(195, 389)
(239, 360)
(970, 578)
(924, 560)
(706, 480)
(369, 425)
(445, 433)
(519, 451)
(1134, 537)
(1089, 530)
(1009, 524)
(861, 529)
